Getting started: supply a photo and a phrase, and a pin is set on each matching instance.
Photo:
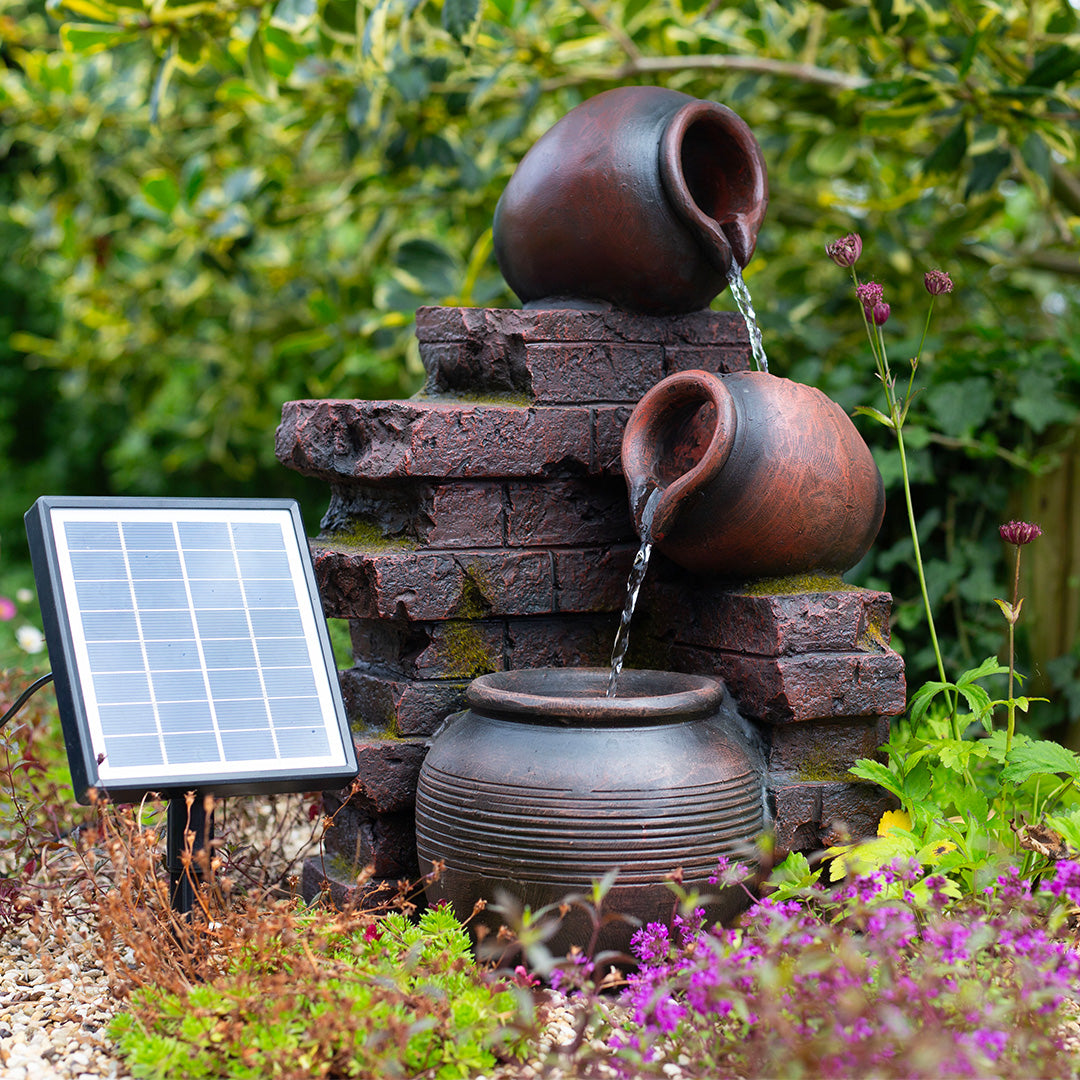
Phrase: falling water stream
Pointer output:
(746, 309)
(641, 560)
(633, 587)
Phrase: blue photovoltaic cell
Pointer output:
(196, 643)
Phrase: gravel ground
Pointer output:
(52, 1024)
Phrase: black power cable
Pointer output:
(33, 688)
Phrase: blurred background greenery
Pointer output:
(209, 208)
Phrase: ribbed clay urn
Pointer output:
(640, 198)
(544, 785)
(751, 475)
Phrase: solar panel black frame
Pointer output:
(65, 636)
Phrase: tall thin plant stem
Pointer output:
(897, 416)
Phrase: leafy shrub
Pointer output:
(325, 994)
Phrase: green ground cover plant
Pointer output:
(316, 993)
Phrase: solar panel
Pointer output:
(189, 646)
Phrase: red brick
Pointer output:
(386, 841)
(454, 649)
(566, 641)
(708, 357)
(395, 440)
(589, 510)
(425, 585)
(818, 750)
(812, 686)
(461, 514)
(697, 612)
(814, 815)
(566, 324)
(388, 771)
(593, 371)
(340, 882)
(462, 649)
(592, 579)
(404, 706)
(609, 422)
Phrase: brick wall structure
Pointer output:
(484, 526)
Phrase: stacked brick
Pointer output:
(484, 526)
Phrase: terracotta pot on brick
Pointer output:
(640, 198)
(544, 785)
(758, 476)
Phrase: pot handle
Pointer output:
(671, 444)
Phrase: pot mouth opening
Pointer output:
(707, 146)
(712, 169)
(560, 695)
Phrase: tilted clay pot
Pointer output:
(545, 785)
(641, 198)
(751, 475)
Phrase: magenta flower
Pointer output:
(880, 314)
(1019, 532)
(845, 251)
(870, 294)
(7, 609)
(937, 282)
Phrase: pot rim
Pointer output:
(560, 695)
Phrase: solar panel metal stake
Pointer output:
(189, 647)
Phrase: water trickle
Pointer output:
(633, 587)
(746, 309)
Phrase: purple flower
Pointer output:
(1019, 532)
(845, 251)
(880, 314)
(869, 294)
(7, 609)
(937, 282)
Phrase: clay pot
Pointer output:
(544, 785)
(640, 198)
(757, 476)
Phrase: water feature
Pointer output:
(746, 309)
(633, 587)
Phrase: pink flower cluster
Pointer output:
(1019, 532)
(865, 981)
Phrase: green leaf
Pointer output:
(985, 170)
(917, 783)
(294, 15)
(191, 50)
(867, 769)
(921, 699)
(87, 38)
(949, 153)
(255, 64)
(877, 414)
(458, 17)
(1036, 155)
(1030, 759)
(882, 91)
(159, 189)
(1055, 64)
(1067, 826)
(956, 754)
(91, 9)
(833, 155)
(962, 407)
(990, 666)
(161, 83)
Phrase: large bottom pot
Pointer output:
(544, 785)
